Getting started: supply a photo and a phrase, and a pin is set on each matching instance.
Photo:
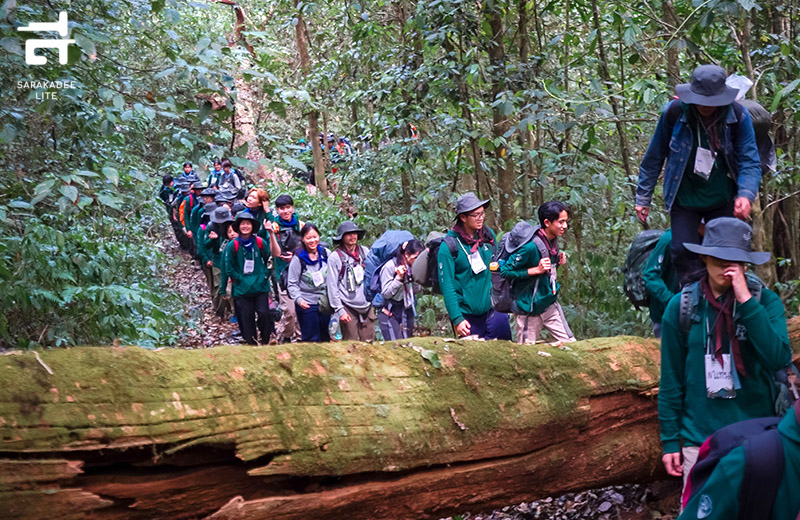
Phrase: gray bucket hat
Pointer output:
(209, 208)
(348, 226)
(520, 234)
(245, 215)
(223, 196)
(193, 179)
(221, 215)
(469, 202)
(208, 192)
(183, 186)
(707, 88)
(728, 238)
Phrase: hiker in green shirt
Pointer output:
(721, 348)
(532, 269)
(465, 280)
(661, 279)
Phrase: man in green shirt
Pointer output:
(465, 279)
(718, 361)
(661, 280)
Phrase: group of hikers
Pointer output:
(724, 339)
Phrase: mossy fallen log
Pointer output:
(419, 429)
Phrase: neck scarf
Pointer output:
(304, 256)
(246, 242)
(288, 223)
(552, 247)
(481, 237)
(355, 255)
(713, 126)
(724, 324)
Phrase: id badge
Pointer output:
(476, 262)
(317, 278)
(719, 379)
(249, 266)
(358, 272)
(704, 162)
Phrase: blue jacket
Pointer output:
(740, 153)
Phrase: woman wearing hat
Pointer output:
(215, 241)
(246, 260)
(723, 339)
(307, 285)
(465, 280)
(396, 318)
(346, 284)
(712, 164)
(531, 265)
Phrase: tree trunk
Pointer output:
(525, 138)
(338, 430)
(606, 76)
(673, 62)
(313, 116)
(500, 122)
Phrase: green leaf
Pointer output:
(157, 5)
(69, 191)
(164, 73)
(205, 109)
(111, 174)
(20, 204)
(433, 357)
(86, 45)
(294, 163)
(9, 133)
(747, 4)
(150, 113)
(119, 102)
(110, 201)
(172, 16)
(202, 43)
(187, 143)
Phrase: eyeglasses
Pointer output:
(477, 216)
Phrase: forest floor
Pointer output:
(203, 328)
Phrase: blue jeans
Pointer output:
(490, 325)
(313, 324)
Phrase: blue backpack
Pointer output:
(381, 252)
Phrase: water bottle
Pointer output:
(334, 330)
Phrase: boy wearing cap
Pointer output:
(720, 348)
(712, 164)
(246, 264)
(532, 266)
(346, 284)
(465, 280)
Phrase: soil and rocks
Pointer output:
(203, 328)
(655, 501)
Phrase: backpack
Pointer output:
(362, 251)
(785, 391)
(763, 468)
(502, 295)
(431, 278)
(635, 262)
(242, 183)
(381, 252)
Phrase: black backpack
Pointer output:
(635, 262)
(502, 295)
(432, 273)
(763, 469)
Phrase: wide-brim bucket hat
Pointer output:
(208, 192)
(520, 234)
(193, 179)
(221, 215)
(707, 87)
(469, 202)
(348, 226)
(209, 208)
(728, 238)
(245, 215)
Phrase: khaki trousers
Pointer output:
(529, 328)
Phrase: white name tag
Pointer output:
(719, 379)
(358, 272)
(704, 162)
(317, 278)
(249, 266)
(476, 262)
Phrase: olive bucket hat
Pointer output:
(469, 202)
(521, 233)
(728, 238)
(348, 226)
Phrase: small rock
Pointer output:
(605, 506)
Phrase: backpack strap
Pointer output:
(763, 472)
(690, 300)
(673, 113)
(259, 243)
(451, 245)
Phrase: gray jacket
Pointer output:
(391, 287)
(342, 287)
(299, 283)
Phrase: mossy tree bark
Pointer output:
(336, 430)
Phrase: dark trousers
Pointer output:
(313, 324)
(398, 323)
(247, 308)
(684, 223)
(490, 325)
